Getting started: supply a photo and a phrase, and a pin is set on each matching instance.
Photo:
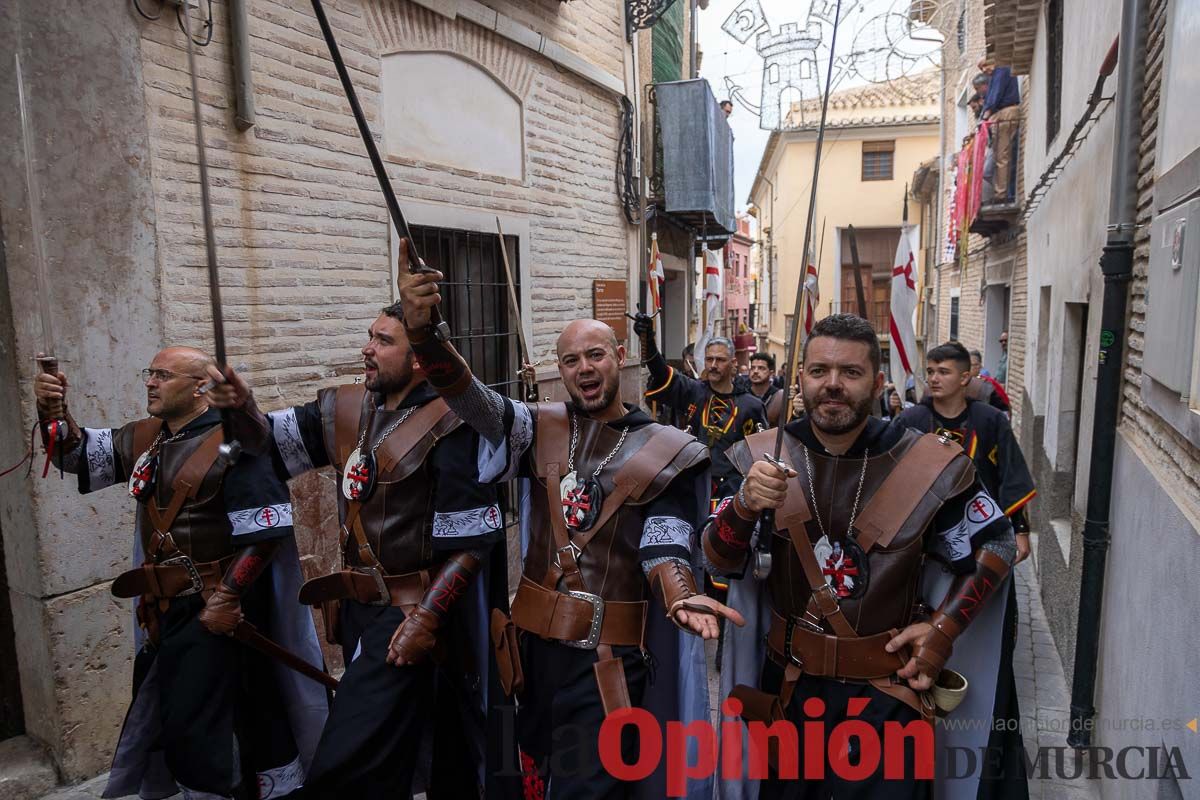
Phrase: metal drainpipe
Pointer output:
(243, 82)
(1117, 266)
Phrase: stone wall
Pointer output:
(303, 243)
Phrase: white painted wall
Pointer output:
(441, 108)
(1066, 232)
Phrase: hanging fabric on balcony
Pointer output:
(697, 157)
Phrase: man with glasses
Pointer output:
(215, 547)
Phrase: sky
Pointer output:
(724, 58)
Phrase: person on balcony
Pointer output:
(1002, 106)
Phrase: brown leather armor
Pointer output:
(397, 518)
(609, 563)
(887, 592)
(201, 530)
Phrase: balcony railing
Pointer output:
(977, 206)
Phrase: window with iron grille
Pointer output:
(475, 300)
(877, 160)
(1054, 68)
(962, 30)
(484, 330)
(954, 318)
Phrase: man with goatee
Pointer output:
(858, 505)
(612, 502)
(417, 527)
(214, 548)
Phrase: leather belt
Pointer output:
(577, 619)
(172, 577)
(856, 658)
(366, 585)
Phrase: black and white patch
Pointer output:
(666, 532)
(954, 544)
(469, 523)
(254, 520)
(289, 442)
(101, 464)
(280, 781)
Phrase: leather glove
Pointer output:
(222, 611)
(415, 639)
(643, 327)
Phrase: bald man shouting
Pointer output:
(209, 717)
(611, 504)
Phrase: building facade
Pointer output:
(512, 111)
(1066, 50)
(877, 136)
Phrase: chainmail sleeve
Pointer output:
(482, 408)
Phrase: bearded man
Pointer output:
(417, 528)
(847, 634)
(612, 501)
(717, 413)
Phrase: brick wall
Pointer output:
(1176, 461)
(968, 276)
(301, 228)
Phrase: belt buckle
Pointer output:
(575, 551)
(385, 597)
(787, 645)
(593, 638)
(192, 573)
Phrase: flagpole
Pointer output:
(793, 344)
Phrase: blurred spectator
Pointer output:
(1001, 105)
(727, 107)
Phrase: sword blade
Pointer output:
(416, 263)
(798, 313)
(35, 221)
(526, 357)
(248, 635)
(210, 241)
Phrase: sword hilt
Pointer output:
(49, 366)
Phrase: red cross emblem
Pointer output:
(492, 517)
(576, 505)
(907, 272)
(980, 510)
(266, 517)
(358, 475)
(839, 567)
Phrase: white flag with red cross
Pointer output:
(905, 360)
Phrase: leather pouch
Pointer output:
(508, 655)
(331, 616)
(757, 705)
(610, 679)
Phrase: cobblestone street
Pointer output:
(1045, 697)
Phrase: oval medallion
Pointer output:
(844, 566)
(141, 480)
(358, 477)
(581, 505)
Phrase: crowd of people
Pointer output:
(861, 575)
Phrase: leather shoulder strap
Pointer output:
(427, 424)
(910, 480)
(347, 419)
(636, 475)
(552, 436)
(144, 431)
(187, 481)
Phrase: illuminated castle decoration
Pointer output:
(789, 71)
